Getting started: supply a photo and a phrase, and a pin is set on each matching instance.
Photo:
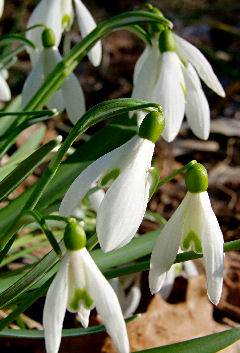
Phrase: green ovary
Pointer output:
(192, 238)
(80, 295)
(110, 176)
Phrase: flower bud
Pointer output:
(74, 236)
(48, 38)
(196, 178)
(152, 126)
(167, 41)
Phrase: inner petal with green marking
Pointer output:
(111, 176)
(80, 296)
(192, 240)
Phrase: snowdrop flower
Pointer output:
(1, 7)
(5, 93)
(79, 286)
(193, 225)
(69, 96)
(58, 15)
(165, 74)
(127, 170)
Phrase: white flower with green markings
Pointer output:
(58, 15)
(192, 226)
(128, 174)
(79, 286)
(69, 96)
(167, 73)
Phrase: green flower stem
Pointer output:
(68, 64)
(92, 242)
(145, 265)
(171, 176)
(96, 114)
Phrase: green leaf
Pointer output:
(207, 344)
(25, 168)
(7, 121)
(16, 38)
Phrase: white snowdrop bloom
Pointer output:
(165, 74)
(5, 93)
(1, 7)
(192, 226)
(126, 170)
(79, 286)
(70, 94)
(58, 15)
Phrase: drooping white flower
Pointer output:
(127, 169)
(5, 93)
(193, 225)
(166, 75)
(58, 15)
(70, 94)
(79, 286)
(1, 7)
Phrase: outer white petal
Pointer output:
(189, 52)
(47, 12)
(190, 269)
(147, 71)
(197, 109)
(73, 98)
(139, 63)
(55, 307)
(106, 303)
(83, 183)
(96, 199)
(168, 92)
(212, 244)
(5, 93)
(166, 248)
(124, 205)
(86, 24)
(33, 81)
(1, 7)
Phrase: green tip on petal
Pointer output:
(152, 126)
(196, 178)
(48, 38)
(66, 21)
(74, 235)
(167, 41)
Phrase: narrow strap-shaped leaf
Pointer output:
(207, 344)
(16, 38)
(25, 168)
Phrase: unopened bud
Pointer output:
(196, 178)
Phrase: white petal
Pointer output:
(106, 303)
(82, 184)
(124, 205)
(55, 307)
(212, 244)
(168, 283)
(83, 315)
(197, 109)
(48, 13)
(67, 9)
(166, 248)
(147, 74)
(1, 7)
(189, 52)
(168, 92)
(5, 93)
(86, 24)
(73, 98)
(96, 199)
(56, 101)
(33, 81)
(139, 63)
(190, 268)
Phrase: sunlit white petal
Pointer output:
(212, 244)
(55, 307)
(106, 303)
(189, 52)
(127, 196)
(169, 93)
(86, 24)
(166, 248)
(5, 93)
(1, 7)
(196, 109)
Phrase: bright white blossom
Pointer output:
(193, 225)
(70, 94)
(169, 79)
(79, 286)
(127, 169)
(5, 93)
(1, 7)
(58, 15)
